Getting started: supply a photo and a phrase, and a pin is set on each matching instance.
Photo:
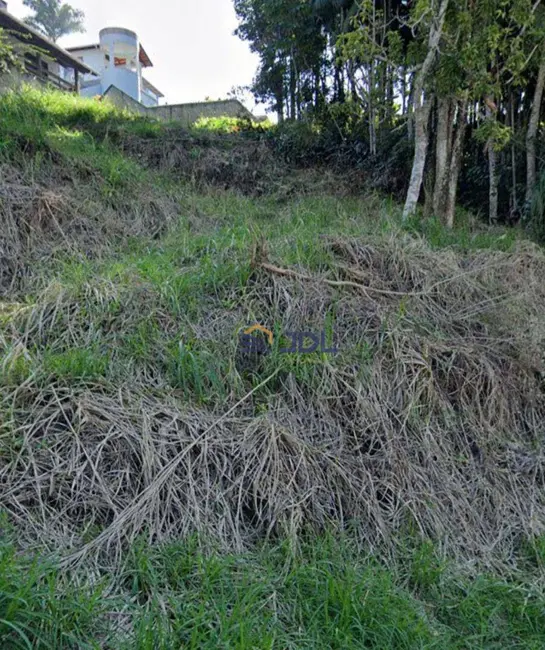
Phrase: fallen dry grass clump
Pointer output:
(59, 212)
(429, 422)
(220, 160)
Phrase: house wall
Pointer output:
(124, 101)
(114, 42)
(185, 114)
(91, 88)
(188, 114)
(122, 44)
(148, 98)
(93, 58)
(125, 80)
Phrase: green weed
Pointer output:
(328, 595)
(39, 609)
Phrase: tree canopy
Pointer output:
(461, 81)
(54, 18)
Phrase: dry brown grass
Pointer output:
(437, 430)
(57, 211)
(246, 164)
(430, 422)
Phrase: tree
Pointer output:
(54, 18)
(462, 80)
(536, 41)
(12, 53)
(422, 102)
(533, 126)
(290, 45)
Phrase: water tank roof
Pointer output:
(113, 31)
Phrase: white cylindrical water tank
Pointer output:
(121, 50)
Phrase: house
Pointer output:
(118, 60)
(110, 69)
(44, 62)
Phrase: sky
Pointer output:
(190, 42)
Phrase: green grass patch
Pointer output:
(201, 374)
(464, 237)
(226, 125)
(77, 364)
(325, 594)
(40, 609)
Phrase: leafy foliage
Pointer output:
(323, 59)
(54, 18)
(290, 44)
(9, 54)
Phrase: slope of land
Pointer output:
(256, 498)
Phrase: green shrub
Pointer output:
(230, 125)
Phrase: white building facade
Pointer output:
(118, 59)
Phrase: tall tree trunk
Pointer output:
(410, 107)
(371, 107)
(428, 181)
(404, 91)
(293, 90)
(493, 184)
(442, 154)
(531, 133)
(372, 83)
(390, 94)
(280, 104)
(450, 133)
(421, 138)
(514, 197)
(492, 167)
(352, 81)
(455, 162)
(422, 107)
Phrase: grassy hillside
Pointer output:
(162, 486)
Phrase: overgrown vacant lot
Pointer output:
(162, 487)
